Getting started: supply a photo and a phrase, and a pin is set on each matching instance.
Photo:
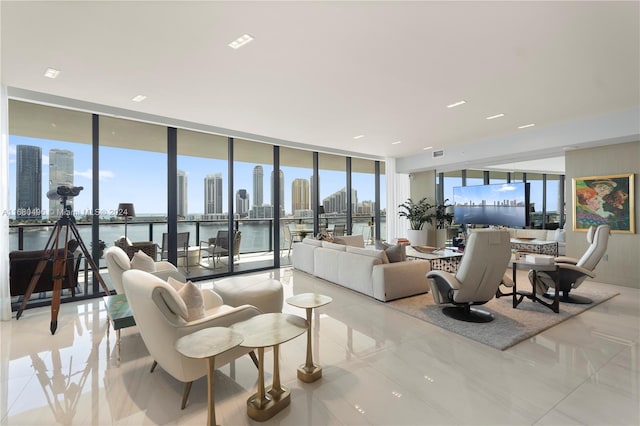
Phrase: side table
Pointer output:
(207, 343)
(260, 332)
(519, 295)
(309, 372)
(119, 313)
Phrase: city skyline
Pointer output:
(122, 179)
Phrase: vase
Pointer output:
(417, 237)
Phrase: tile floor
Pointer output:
(380, 367)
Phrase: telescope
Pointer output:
(64, 191)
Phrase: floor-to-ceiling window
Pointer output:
(253, 173)
(297, 168)
(332, 181)
(49, 149)
(363, 184)
(202, 197)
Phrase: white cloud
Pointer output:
(506, 188)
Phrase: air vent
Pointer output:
(438, 154)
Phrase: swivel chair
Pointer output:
(573, 271)
(481, 269)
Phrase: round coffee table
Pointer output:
(207, 343)
(309, 372)
(260, 332)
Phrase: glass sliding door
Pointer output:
(256, 197)
(297, 168)
(363, 185)
(332, 181)
(203, 207)
(48, 148)
(133, 185)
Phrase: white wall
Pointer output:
(623, 265)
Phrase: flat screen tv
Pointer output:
(503, 204)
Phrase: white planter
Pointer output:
(417, 237)
(437, 237)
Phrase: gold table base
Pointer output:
(309, 374)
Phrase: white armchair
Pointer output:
(118, 262)
(155, 307)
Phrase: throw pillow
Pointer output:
(395, 253)
(192, 297)
(143, 262)
(378, 254)
(334, 246)
(312, 242)
(177, 285)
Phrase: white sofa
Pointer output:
(555, 235)
(367, 271)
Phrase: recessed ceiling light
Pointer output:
(455, 104)
(240, 41)
(396, 142)
(358, 137)
(427, 147)
(139, 98)
(526, 125)
(495, 116)
(51, 73)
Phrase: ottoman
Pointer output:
(264, 294)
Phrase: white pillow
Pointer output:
(177, 285)
(334, 246)
(312, 242)
(378, 254)
(192, 297)
(143, 262)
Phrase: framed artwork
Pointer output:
(600, 200)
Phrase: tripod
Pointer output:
(53, 251)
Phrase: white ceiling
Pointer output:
(320, 73)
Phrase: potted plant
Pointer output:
(101, 246)
(418, 213)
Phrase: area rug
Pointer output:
(509, 327)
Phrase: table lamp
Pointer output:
(126, 210)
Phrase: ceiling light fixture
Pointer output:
(139, 98)
(495, 116)
(396, 142)
(51, 73)
(455, 104)
(427, 147)
(240, 41)
(526, 125)
(358, 137)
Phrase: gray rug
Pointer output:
(509, 327)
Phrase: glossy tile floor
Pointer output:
(380, 367)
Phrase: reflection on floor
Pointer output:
(380, 367)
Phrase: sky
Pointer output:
(139, 177)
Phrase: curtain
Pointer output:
(5, 298)
(398, 187)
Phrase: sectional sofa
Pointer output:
(364, 270)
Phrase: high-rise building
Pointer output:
(281, 192)
(60, 174)
(183, 194)
(213, 193)
(28, 182)
(337, 202)
(258, 185)
(242, 203)
(299, 195)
